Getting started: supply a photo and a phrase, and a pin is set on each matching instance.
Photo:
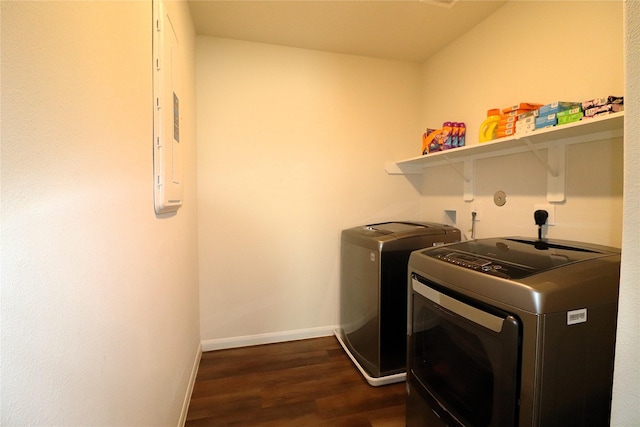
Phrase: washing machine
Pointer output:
(373, 293)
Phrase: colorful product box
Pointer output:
(522, 107)
(568, 112)
(505, 118)
(427, 137)
(515, 113)
(527, 120)
(598, 102)
(570, 118)
(506, 132)
(530, 113)
(554, 107)
(604, 109)
(546, 120)
(525, 127)
(452, 135)
(431, 141)
(506, 125)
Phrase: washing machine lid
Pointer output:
(521, 257)
(394, 227)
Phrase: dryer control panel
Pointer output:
(514, 258)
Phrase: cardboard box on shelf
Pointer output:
(523, 106)
(527, 114)
(504, 118)
(505, 132)
(603, 109)
(570, 118)
(554, 107)
(527, 120)
(515, 113)
(506, 125)
(525, 127)
(427, 138)
(568, 112)
(598, 102)
(546, 120)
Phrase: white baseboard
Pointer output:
(270, 338)
(192, 380)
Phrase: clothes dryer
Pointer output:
(512, 331)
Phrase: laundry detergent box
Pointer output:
(515, 114)
(603, 109)
(546, 120)
(508, 118)
(429, 141)
(554, 107)
(505, 132)
(598, 102)
(527, 120)
(525, 127)
(531, 114)
(521, 107)
(502, 126)
(570, 118)
(569, 112)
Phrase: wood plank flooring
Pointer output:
(301, 383)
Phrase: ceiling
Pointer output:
(411, 30)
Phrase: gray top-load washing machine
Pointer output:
(373, 293)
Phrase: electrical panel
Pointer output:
(167, 144)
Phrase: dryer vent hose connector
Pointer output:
(540, 216)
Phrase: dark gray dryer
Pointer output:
(512, 332)
(373, 293)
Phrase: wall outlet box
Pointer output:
(449, 217)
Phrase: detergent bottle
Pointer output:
(489, 127)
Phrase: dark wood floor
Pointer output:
(300, 383)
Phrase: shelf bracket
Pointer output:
(467, 177)
(462, 175)
(554, 172)
(555, 165)
(556, 154)
(468, 182)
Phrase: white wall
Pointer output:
(291, 150)
(502, 62)
(626, 384)
(99, 304)
(262, 108)
(99, 297)
(600, 184)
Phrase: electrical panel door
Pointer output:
(167, 144)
